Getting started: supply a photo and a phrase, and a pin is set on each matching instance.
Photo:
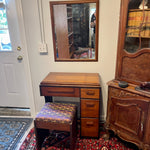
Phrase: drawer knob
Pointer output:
(90, 92)
(90, 104)
(89, 123)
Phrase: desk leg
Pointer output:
(48, 99)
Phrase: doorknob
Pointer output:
(19, 57)
(19, 48)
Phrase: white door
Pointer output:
(13, 85)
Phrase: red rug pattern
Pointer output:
(113, 143)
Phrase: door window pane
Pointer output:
(5, 44)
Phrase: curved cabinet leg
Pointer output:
(106, 136)
(146, 147)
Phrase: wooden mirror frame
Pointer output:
(53, 28)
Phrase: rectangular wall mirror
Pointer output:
(75, 30)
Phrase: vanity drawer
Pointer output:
(89, 127)
(59, 91)
(90, 93)
(89, 108)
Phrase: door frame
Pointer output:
(30, 95)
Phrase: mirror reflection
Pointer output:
(74, 31)
(138, 26)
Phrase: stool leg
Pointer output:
(40, 136)
(37, 137)
(73, 133)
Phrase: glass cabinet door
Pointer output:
(137, 35)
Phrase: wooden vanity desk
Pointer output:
(86, 86)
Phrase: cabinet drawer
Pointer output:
(89, 108)
(89, 127)
(90, 93)
(59, 91)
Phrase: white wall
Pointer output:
(42, 64)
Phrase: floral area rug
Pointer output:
(11, 131)
(114, 143)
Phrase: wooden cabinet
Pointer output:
(133, 56)
(128, 109)
(128, 114)
(63, 28)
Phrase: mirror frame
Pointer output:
(51, 3)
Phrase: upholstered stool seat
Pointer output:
(56, 116)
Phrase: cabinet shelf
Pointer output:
(138, 36)
(69, 7)
(70, 45)
(139, 10)
(69, 18)
(71, 33)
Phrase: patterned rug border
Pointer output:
(114, 143)
(17, 138)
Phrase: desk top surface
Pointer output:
(72, 79)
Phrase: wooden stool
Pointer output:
(56, 116)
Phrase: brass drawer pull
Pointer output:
(90, 92)
(90, 104)
(89, 123)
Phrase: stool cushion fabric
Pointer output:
(57, 113)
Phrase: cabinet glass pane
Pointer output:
(137, 26)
